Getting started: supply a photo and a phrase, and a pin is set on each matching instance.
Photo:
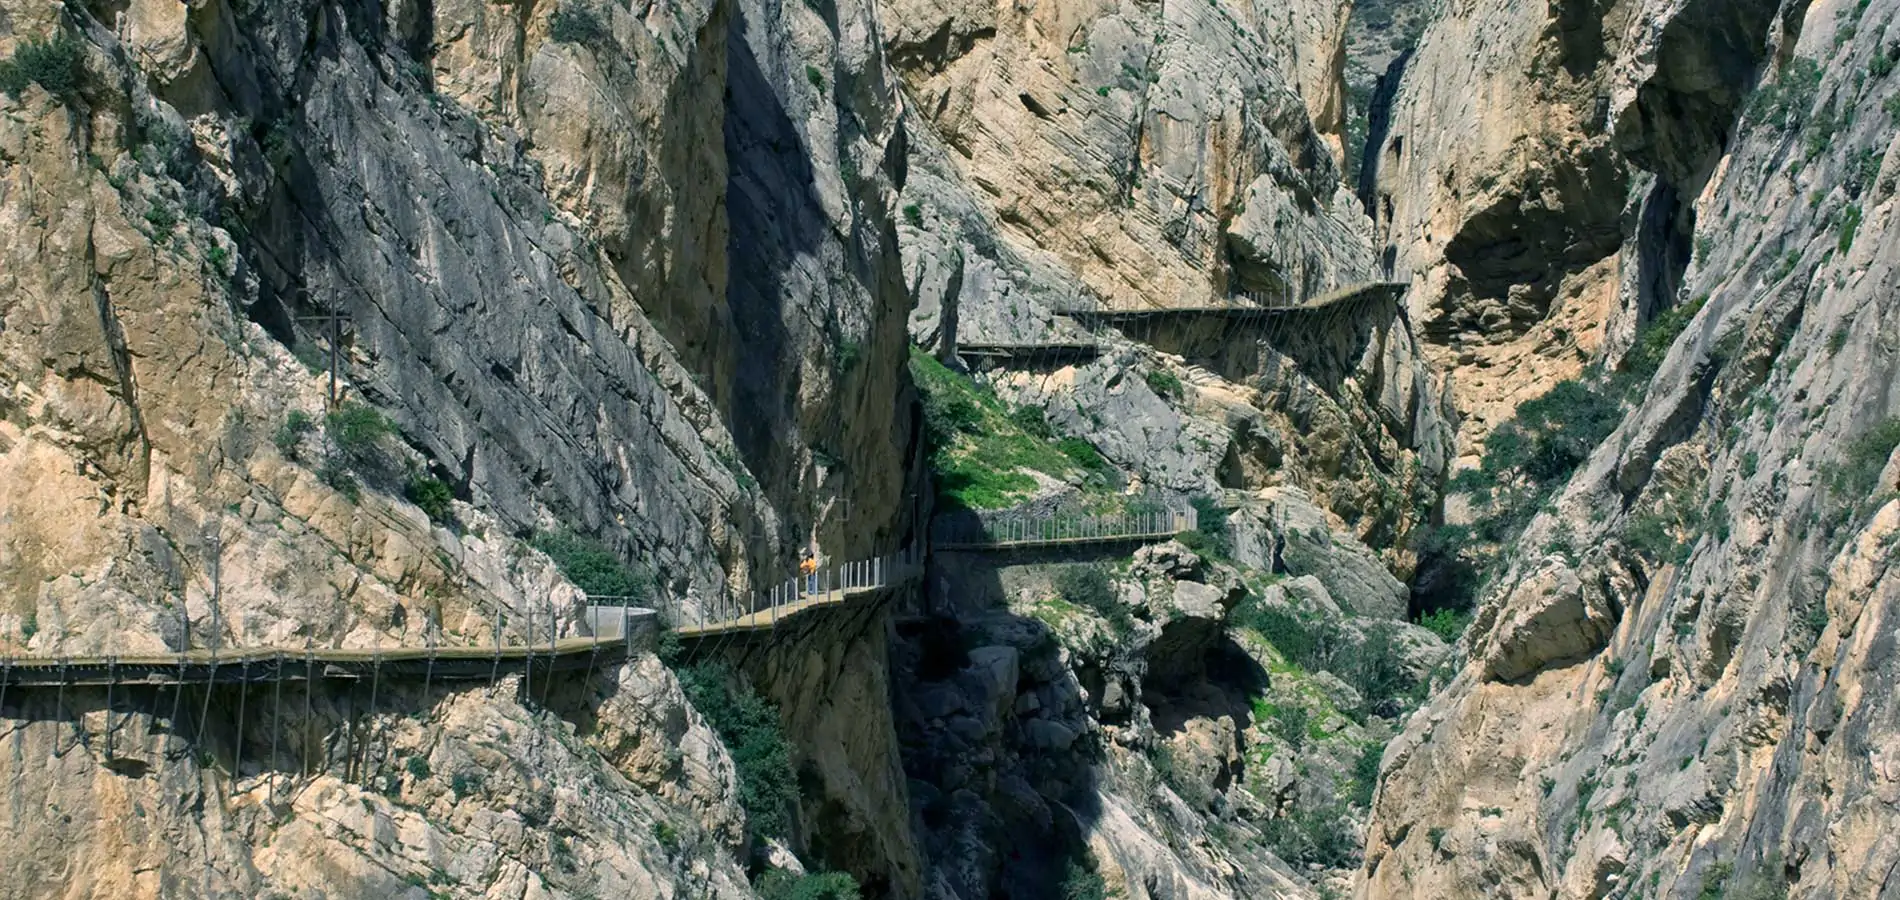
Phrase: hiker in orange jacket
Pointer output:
(808, 567)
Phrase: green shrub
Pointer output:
(336, 473)
(1295, 639)
(1859, 469)
(778, 884)
(290, 435)
(52, 64)
(1655, 339)
(1850, 224)
(666, 836)
(1552, 435)
(592, 567)
(1089, 588)
(948, 414)
(1313, 836)
(1715, 881)
(418, 767)
(432, 495)
(914, 214)
(1290, 722)
(816, 78)
(667, 647)
(1365, 774)
(576, 24)
(1033, 421)
(1653, 534)
(1210, 519)
(1448, 624)
(1165, 383)
(355, 429)
(1786, 101)
(1080, 881)
(1084, 455)
(1375, 668)
(749, 728)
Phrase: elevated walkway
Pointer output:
(1025, 354)
(1017, 531)
(615, 635)
(1238, 313)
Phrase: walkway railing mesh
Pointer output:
(831, 583)
(1015, 528)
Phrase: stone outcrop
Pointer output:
(1500, 195)
(1670, 688)
(461, 790)
(1123, 141)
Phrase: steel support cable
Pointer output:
(237, 752)
(59, 707)
(178, 691)
(309, 686)
(276, 727)
(375, 687)
(112, 676)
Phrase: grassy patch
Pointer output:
(981, 451)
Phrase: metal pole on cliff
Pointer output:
(309, 684)
(276, 727)
(237, 750)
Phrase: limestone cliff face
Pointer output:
(1129, 142)
(1501, 197)
(1680, 683)
(629, 275)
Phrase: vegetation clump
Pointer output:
(1165, 383)
(1088, 587)
(430, 494)
(356, 429)
(1655, 340)
(982, 452)
(749, 728)
(290, 435)
(574, 23)
(592, 567)
(778, 884)
(52, 64)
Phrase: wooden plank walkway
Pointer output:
(1012, 531)
(1049, 350)
(1066, 541)
(1237, 312)
(440, 663)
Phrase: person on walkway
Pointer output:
(809, 568)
